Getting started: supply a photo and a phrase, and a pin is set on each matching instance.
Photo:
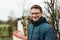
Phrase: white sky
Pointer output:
(7, 7)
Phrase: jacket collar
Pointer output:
(40, 21)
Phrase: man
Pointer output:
(39, 29)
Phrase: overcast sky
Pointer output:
(7, 7)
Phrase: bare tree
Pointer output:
(53, 11)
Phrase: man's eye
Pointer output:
(34, 13)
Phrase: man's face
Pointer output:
(35, 14)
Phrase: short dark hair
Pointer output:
(37, 7)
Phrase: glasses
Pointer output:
(35, 13)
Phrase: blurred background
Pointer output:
(11, 11)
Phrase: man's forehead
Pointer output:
(35, 10)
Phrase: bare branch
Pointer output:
(48, 10)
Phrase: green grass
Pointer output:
(4, 25)
(8, 38)
(4, 31)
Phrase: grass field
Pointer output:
(5, 31)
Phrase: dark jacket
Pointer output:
(41, 30)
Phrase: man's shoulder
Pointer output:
(30, 26)
(46, 26)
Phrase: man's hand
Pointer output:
(25, 38)
(19, 35)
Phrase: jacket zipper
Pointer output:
(32, 32)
